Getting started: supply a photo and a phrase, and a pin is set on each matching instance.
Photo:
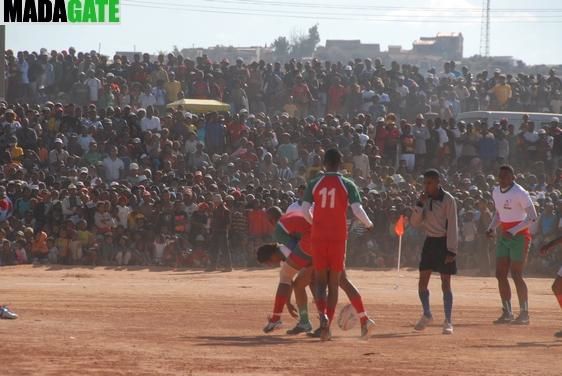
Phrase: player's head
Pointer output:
(268, 254)
(431, 182)
(273, 214)
(332, 160)
(506, 176)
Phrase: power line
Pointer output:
(323, 16)
(364, 7)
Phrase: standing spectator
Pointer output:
(113, 166)
(148, 121)
(220, 227)
(408, 147)
(146, 98)
(6, 206)
(58, 156)
(502, 93)
(488, 148)
(173, 88)
(94, 87)
(421, 135)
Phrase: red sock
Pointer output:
(357, 303)
(559, 298)
(330, 312)
(321, 305)
(278, 307)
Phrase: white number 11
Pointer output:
(325, 193)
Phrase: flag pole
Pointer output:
(399, 253)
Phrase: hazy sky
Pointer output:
(533, 35)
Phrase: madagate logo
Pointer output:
(61, 11)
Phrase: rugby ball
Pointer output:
(348, 318)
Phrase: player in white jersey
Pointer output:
(515, 212)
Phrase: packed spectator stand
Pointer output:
(98, 170)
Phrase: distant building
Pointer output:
(448, 46)
(351, 49)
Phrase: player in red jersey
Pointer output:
(292, 232)
(331, 194)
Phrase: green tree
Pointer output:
(305, 45)
(281, 48)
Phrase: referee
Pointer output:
(436, 213)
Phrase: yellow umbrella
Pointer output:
(200, 105)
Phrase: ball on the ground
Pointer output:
(348, 318)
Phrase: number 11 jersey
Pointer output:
(331, 194)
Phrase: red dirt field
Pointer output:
(106, 321)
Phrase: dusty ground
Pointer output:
(160, 322)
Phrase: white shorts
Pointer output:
(560, 272)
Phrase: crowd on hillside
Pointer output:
(96, 169)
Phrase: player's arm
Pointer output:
(290, 307)
(494, 224)
(416, 219)
(452, 229)
(529, 219)
(355, 202)
(307, 201)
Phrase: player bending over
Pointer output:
(330, 194)
(557, 285)
(293, 232)
(515, 212)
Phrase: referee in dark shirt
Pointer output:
(436, 213)
(220, 227)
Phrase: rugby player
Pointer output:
(515, 212)
(331, 194)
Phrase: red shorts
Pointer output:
(300, 258)
(329, 255)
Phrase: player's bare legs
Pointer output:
(304, 279)
(521, 287)
(321, 278)
(333, 290)
(447, 302)
(557, 290)
(423, 293)
(284, 289)
(502, 271)
(357, 302)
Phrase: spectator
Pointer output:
(220, 228)
(113, 166)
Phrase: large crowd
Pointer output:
(97, 169)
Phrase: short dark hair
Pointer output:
(509, 168)
(333, 158)
(432, 174)
(266, 251)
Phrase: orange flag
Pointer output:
(399, 227)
